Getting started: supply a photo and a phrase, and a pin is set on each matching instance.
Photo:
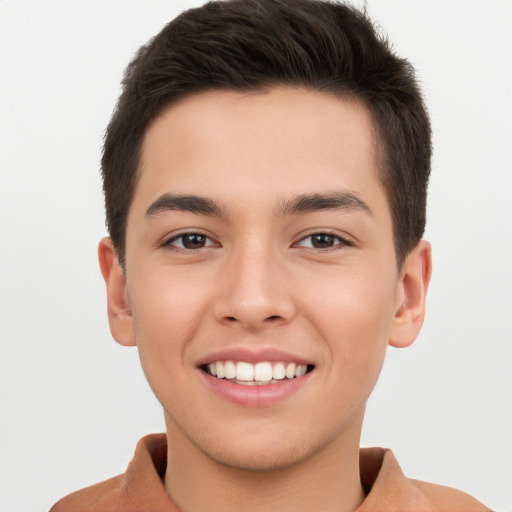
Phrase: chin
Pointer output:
(258, 460)
(278, 452)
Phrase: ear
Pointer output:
(119, 311)
(411, 295)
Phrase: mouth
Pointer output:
(259, 374)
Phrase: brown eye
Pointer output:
(323, 241)
(190, 241)
(194, 241)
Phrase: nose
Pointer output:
(255, 291)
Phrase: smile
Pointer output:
(260, 373)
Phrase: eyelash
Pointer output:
(340, 241)
(169, 243)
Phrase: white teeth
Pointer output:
(300, 370)
(278, 372)
(264, 372)
(219, 368)
(230, 370)
(244, 371)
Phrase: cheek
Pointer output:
(166, 315)
(166, 311)
(353, 314)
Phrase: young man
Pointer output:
(265, 176)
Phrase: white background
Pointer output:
(73, 403)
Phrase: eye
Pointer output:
(190, 241)
(322, 241)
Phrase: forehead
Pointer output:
(276, 142)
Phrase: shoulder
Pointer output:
(447, 498)
(139, 488)
(389, 489)
(99, 497)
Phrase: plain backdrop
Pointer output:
(74, 403)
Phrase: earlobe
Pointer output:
(119, 310)
(411, 296)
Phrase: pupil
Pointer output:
(323, 240)
(193, 241)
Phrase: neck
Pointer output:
(328, 480)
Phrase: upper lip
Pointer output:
(252, 355)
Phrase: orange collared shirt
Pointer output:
(141, 488)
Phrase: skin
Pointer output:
(262, 280)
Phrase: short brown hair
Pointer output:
(253, 44)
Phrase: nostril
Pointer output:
(273, 317)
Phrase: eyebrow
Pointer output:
(308, 203)
(185, 203)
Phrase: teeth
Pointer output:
(244, 371)
(229, 370)
(300, 370)
(219, 368)
(263, 372)
(278, 372)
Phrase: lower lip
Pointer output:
(254, 395)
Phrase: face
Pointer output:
(261, 285)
